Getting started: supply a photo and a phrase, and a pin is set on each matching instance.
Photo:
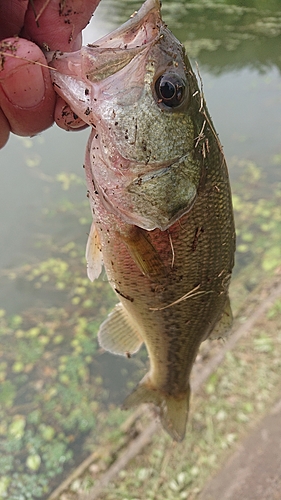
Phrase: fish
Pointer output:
(160, 197)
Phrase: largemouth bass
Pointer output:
(160, 196)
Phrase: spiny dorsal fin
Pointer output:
(118, 333)
(93, 254)
(144, 253)
(223, 326)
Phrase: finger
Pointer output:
(27, 97)
(65, 118)
(58, 24)
(4, 129)
(12, 14)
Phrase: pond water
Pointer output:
(58, 392)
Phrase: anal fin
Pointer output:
(119, 334)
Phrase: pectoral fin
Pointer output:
(93, 254)
(144, 254)
(118, 333)
(223, 326)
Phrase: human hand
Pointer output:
(28, 103)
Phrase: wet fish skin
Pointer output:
(163, 222)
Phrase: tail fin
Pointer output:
(173, 410)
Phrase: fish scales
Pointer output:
(208, 266)
(160, 196)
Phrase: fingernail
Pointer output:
(25, 86)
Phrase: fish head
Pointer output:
(137, 90)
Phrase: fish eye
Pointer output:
(170, 90)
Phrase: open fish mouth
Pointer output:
(139, 30)
(112, 52)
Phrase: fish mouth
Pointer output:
(105, 57)
(139, 30)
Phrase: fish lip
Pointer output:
(136, 33)
(131, 32)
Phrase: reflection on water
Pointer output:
(222, 34)
(244, 34)
(29, 184)
(57, 393)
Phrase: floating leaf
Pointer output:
(16, 428)
(33, 462)
(4, 484)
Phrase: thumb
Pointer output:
(26, 94)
